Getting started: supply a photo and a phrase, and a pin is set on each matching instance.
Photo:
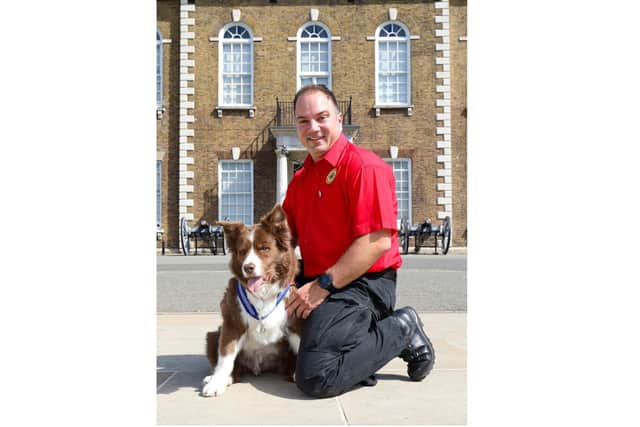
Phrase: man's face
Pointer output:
(318, 123)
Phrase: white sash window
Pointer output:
(235, 178)
(402, 172)
(393, 65)
(314, 55)
(159, 193)
(235, 87)
(158, 69)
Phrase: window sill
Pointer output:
(377, 109)
(220, 108)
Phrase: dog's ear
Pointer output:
(276, 219)
(275, 215)
(276, 222)
(232, 232)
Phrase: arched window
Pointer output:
(393, 65)
(314, 55)
(235, 83)
(158, 69)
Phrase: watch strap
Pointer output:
(325, 280)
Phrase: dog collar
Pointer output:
(250, 309)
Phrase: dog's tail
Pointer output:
(212, 347)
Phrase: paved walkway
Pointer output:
(266, 400)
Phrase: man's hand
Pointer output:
(302, 301)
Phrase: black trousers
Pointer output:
(350, 336)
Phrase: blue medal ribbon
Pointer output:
(250, 309)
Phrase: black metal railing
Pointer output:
(285, 115)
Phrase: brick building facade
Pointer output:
(224, 138)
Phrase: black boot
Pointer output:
(419, 354)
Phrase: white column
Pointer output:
(186, 115)
(443, 101)
(281, 175)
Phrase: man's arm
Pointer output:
(356, 260)
(363, 252)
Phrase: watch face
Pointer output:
(325, 280)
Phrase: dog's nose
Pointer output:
(249, 267)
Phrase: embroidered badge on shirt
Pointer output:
(331, 176)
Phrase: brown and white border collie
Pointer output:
(256, 334)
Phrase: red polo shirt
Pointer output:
(348, 193)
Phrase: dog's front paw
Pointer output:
(215, 385)
(206, 380)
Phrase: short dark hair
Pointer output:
(316, 88)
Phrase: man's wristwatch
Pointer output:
(325, 280)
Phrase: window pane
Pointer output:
(403, 186)
(315, 61)
(237, 67)
(393, 69)
(236, 197)
(382, 51)
(159, 192)
(158, 70)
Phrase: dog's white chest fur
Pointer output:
(262, 336)
(268, 330)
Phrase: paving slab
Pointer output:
(263, 400)
(440, 399)
(269, 399)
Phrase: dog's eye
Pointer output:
(242, 252)
(265, 248)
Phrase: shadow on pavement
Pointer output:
(180, 371)
(275, 385)
(186, 371)
(395, 377)
(183, 363)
